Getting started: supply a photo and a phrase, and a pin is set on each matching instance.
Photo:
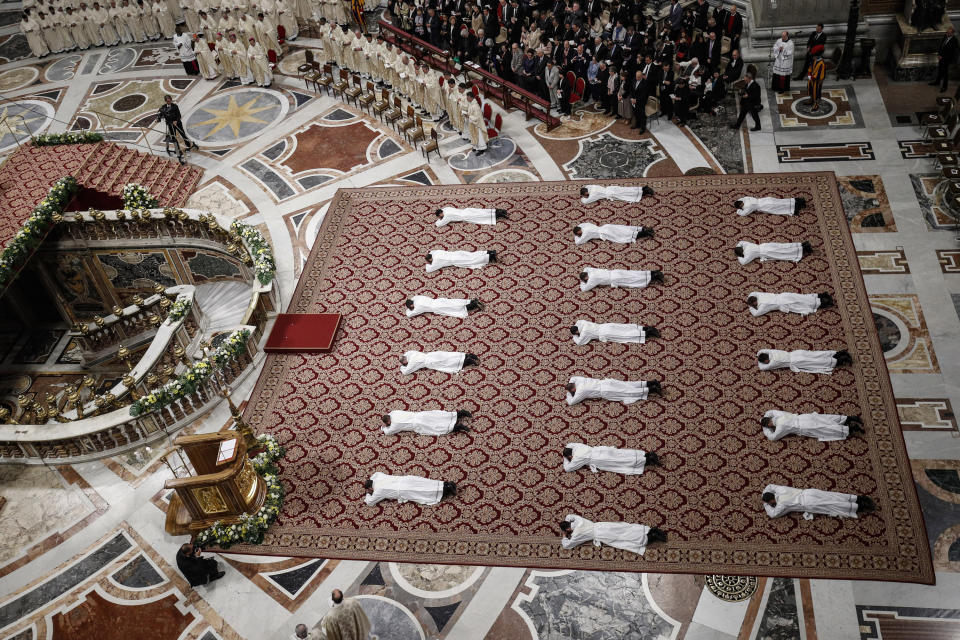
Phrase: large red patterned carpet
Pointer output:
(369, 256)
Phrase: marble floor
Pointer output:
(84, 553)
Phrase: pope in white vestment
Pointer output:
(791, 251)
(446, 215)
(466, 259)
(623, 233)
(446, 361)
(802, 303)
(456, 307)
(616, 278)
(626, 461)
(625, 391)
(427, 423)
(608, 332)
(404, 489)
(776, 206)
(596, 192)
(801, 360)
(825, 427)
(809, 502)
(622, 535)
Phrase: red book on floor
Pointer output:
(303, 332)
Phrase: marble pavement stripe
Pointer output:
(834, 609)
(492, 596)
(806, 610)
(679, 147)
(718, 614)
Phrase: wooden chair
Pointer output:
(487, 113)
(578, 88)
(652, 109)
(308, 65)
(353, 93)
(431, 145)
(392, 115)
(725, 43)
(366, 99)
(381, 105)
(324, 79)
(417, 133)
(341, 85)
(407, 122)
(944, 132)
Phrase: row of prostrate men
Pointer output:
(777, 499)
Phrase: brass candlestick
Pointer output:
(5, 417)
(130, 384)
(124, 354)
(117, 310)
(73, 397)
(249, 437)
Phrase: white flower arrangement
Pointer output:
(136, 196)
(179, 309)
(51, 139)
(263, 262)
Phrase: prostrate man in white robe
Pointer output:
(382, 486)
(801, 360)
(626, 391)
(825, 427)
(626, 461)
(622, 535)
(747, 252)
(446, 215)
(802, 303)
(439, 259)
(623, 233)
(594, 192)
(776, 206)
(426, 423)
(591, 277)
(455, 307)
(778, 500)
(446, 361)
(585, 331)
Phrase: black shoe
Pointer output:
(754, 128)
(216, 576)
(480, 152)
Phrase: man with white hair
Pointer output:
(426, 423)
(446, 215)
(455, 307)
(438, 259)
(585, 331)
(628, 279)
(622, 233)
(825, 427)
(594, 192)
(626, 391)
(801, 360)
(621, 535)
(776, 206)
(446, 361)
(747, 252)
(779, 500)
(802, 303)
(382, 486)
(577, 455)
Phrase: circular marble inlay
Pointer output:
(509, 175)
(235, 116)
(24, 118)
(613, 159)
(389, 619)
(889, 332)
(434, 580)
(63, 69)
(129, 102)
(16, 78)
(803, 107)
(700, 171)
(731, 588)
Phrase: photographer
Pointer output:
(170, 113)
(197, 570)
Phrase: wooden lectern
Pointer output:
(224, 487)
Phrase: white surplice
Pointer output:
(428, 423)
(608, 332)
(624, 391)
(810, 501)
(625, 461)
(622, 535)
(612, 232)
(404, 489)
(825, 427)
(799, 360)
(776, 206)
(469, 214)
(446, 361)
(465, 259)
(614, 278)
(623, 194)
(456, 307)
(802, 303)
(791, 251)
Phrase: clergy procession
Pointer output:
(776, 424)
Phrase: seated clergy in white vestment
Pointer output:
(626, 461)
(426, 423)
(825, 427)
(625, 391)
(382, 486)
(622, 535)
(594, 192)
(802, 303)
(777, 206)
(801, 360)
(778, 500)
(456, 307)
(447, 215)
(585, 331)
(747, 252)
(437, 260)
(446, 361)
(591, 277)
(623, 233)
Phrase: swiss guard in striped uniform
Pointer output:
(815, 76)
(356, 8)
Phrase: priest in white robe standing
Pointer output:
(626, 391)
(382, 486)
(629, 462)
(801, 360)
(426, 423)
(825, 427)
(802, 303)
(476, 126)
(585, 331)
(594, 192)
(622, 535)
(438, 259)
(776, 206)
(446, 361)
(779, 500)
(625, 278)
(622, 233)
(259, 64)
(747, 252)
(446, 215)
(455, 307)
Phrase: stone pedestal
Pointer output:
(914, 56)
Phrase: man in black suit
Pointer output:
(564, 90)
(749, 103)
(734, 69)
(712, 56)
(817, 37)
(701, 11)
(638, 98)
(731, 23)
(946, 55)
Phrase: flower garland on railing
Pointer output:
(50, 139)
(35, 228)
(136, 196)
(263, 263)
(179, 309)
(188, 381)
(252, 527)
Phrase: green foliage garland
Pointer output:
(263, 263)
(179, 309)
(51, 139)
